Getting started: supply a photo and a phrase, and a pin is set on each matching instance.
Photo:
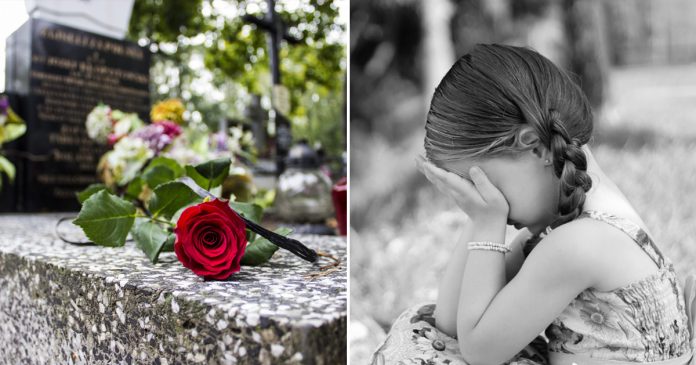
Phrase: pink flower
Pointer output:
(112, 139)
(170, 128)
(158, 135)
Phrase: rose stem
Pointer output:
(292, 245)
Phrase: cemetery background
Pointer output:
(208, 54)
(639, 71)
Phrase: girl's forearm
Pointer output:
(450, 285)
(483, 278)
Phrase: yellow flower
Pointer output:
(170, 109)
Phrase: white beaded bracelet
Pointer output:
(488, 246)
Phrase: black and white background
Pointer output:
(636, 61)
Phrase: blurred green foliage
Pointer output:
(206, 41)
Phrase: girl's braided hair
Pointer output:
(488, 95)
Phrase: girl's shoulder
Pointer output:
(567, 254)
(611, 256)
(579, 239)
(597, 230)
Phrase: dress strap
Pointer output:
(644, 241)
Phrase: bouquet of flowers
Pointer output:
(157, 187)
(11, 128)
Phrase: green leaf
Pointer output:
(250, 211)
(89, 191)
(168, 163)
(170, 197)
(12, 131)
(151, 238)
(209, 174)
(106, 219)
(134, 188)
(169, 243)
(197, 178)
(156, 175)
(261, 249)
(8, 168)
(13, 128)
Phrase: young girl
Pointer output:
(506, 139)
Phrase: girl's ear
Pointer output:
(528, 138)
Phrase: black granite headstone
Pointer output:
(55, 75)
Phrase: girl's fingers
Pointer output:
(434, 179)
(430, 176)
(437, 181)
(488, 191)
(454, 183)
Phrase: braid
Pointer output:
(570, 166)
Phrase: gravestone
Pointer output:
(55, 75)
(69, 304)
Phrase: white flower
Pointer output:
(127, 123)
(181, 152)
(236, 132)
(99, 123)
(127, 158)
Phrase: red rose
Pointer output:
(210, 239)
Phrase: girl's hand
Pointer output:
(481, 200)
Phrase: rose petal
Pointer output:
(211, 239)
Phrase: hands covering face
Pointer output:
(481, 200)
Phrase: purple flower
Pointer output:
(158, 135)
(220, 141)
(4, 104)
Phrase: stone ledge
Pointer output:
(61, 303)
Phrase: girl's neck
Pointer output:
(605, 195)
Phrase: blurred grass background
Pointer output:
(404, 230)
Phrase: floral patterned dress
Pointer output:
(646, 321)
